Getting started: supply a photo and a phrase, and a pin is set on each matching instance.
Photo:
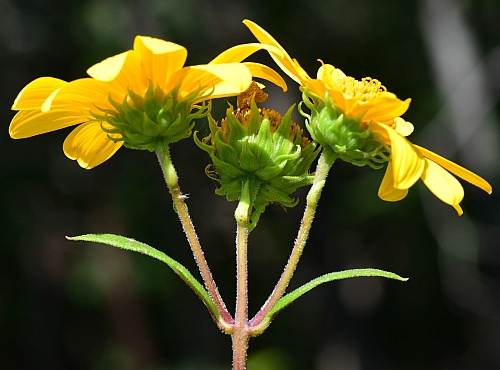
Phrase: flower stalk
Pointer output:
(261, 320)
(240, 332)
(162, 151)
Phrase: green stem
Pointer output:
(325, 162)
(225, 321)
(240, 331)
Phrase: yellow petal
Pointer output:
(458, 209)
(329, 74)
(239, 53)
(82, 95)
(457, 170)
(47, 104)
(109, 68)
(404, 128)
(408, 163)
(262, 71)
(34, 94)
(318, 87)
(331, 78)
(159, 59)
(283, 60)
(385, 107)
(444, 185)
(387, 191)
(218, 79)
(122, 72)
(34, 122)
(89, 145)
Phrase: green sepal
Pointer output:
(268, 173)
(227, 169)
(236, 131)
(231, 190)
(122, 242)
(248, 161)
(141, 122)
(348, 137)
(338, 275)
(264, 142)
(261, 146)
(226, 153)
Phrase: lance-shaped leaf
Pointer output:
(136, 246)
(287, 299)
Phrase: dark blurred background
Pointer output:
(66, 305)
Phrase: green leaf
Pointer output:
(136, 246)
(346, 274)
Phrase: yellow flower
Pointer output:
(367, 100)
(154, 66)
(377, 112)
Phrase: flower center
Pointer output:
(365, 90)
(244, 114)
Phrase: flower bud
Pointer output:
(261, 148)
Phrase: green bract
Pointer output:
(349, 138)
(143, 121)
(260, 148)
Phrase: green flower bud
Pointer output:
(348, 138)
(142, 121)
(261, 149)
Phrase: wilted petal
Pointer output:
(387, 191)
(457, 170)
(89, 145)
(33, 95)
(444, 185)
(159, 59)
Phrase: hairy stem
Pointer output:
(259, 323)
(240, 334)
(240, 331)
(223, 319)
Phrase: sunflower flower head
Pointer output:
(134, 99)
(261, 148)
(360, 122)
